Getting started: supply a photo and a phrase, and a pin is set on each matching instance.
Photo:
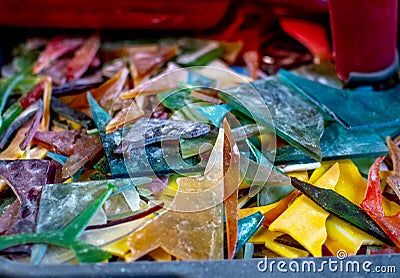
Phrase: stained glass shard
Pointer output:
(355, 109)
(294, 120)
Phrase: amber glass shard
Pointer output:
(192, 226)
(84, 152)
(231, 167)
(127, 115)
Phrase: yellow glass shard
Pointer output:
(344, 236)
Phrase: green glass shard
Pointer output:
(67, 237)
(295, 120)
(340, 143)
(355, 109)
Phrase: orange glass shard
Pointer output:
(231, 184)
(84, 152)
(44, 124)
(104, 94)
(124, 117)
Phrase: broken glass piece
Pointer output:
(61, 160)
(62, 203)
(149, 131)
(99, 237)
(324, 73)
(88, 82)
(143, 64)
(339, 143)
(25, 116)
(201, 144)
(159, 160)
(83, 57)
(192, 224)
(85, 151)
(264, 172)
(44, 124)
(215, 113)
(33, 128)
(207, 95)
(125, 116)
(13, 151)
(295, 120)
(103, 94)
(67, 237)
(16, 173)
(109, 141)
(66, 111)
(60, 142)
(248, 226)
(270, 194)
(204, 53)
(393, 179)
(55, 48)
(355, 109)
(231, 170)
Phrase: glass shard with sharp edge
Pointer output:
(355, 109)
(193, 223)
(295, 120)
(339, 143)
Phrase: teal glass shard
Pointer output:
(176, 99)
(340, 143)
(247, 227)
(294, 120)
(109, 141)
(355, 109)
(215, 113)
